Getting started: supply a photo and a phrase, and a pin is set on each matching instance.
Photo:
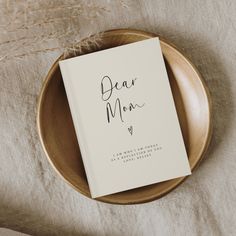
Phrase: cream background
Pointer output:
(33, 199)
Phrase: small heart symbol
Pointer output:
(130, 129)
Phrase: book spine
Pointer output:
(78, 128)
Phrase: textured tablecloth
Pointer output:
(33, 199)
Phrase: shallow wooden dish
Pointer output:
(58, 137)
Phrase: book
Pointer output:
(125, 117)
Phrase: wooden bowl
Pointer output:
(57, 132)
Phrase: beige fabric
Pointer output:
(8, 232)
(33, 199)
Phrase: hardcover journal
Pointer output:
(124, 117)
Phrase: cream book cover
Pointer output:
(125, 118)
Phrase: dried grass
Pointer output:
(32, 27)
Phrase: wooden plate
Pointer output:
(58, 137)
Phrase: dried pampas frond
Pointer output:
(29, 28)
(87, 45)
(34, 27)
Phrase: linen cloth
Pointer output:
(33, 199)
